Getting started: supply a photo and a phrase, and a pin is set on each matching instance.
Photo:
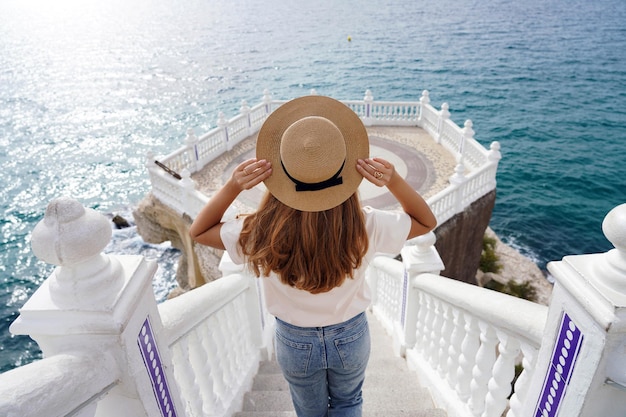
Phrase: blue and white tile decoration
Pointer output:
(152, 361)
(564, 355)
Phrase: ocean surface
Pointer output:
(88, 87)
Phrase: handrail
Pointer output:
(61, 385)
(514, 315)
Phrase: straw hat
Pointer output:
(313, 143)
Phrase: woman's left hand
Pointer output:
(378, 171)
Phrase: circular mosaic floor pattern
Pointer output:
(410, 163)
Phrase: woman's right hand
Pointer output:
(250, 173)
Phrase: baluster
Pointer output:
(454, 349)
(529, 356)
(221, 331)
(203, 372)
(428, 329)
(421, 327)
(241, 339)
(469, 349)
(444, 341)
(485, 358)
(503, 373)
(435, 333)
(185, 377)
(213, 358)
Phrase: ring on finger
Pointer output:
(378, 175)
(245, 171)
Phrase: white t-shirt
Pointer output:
(387, 232)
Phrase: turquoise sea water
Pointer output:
(87, 88)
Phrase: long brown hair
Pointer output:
(311, 251)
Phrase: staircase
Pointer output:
(390, 389)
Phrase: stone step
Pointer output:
(366, 413)
(378, 375)
(376, 400)
(390, 388)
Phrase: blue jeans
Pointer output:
(325, 366)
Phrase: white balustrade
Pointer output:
(100, 311)
(198, 152)
(457, 331)
(112, 349)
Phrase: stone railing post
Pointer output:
(494, 157)
(424, 101)
(191, 140)
(419, 256)
(222, 124)
(581, 365)
(457, 180)
(94, 302)
(188, 188)
(245, 111)
(267, 101)
(444, 115)
(368, 100)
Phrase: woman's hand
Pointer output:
(382, 173)
(250, 173)
(378, 171)
(205, 229)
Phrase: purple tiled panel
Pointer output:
(564, 357)
(152, 361)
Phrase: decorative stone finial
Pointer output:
(459, 174)
(368, 96)
(191, 137)
(445, 112)
(494, 151)
(267, 97)
(612, 272)
(221, 119)
(614, 227)
(423, 243)
(468, 132)
(73, 237)
(70, 233)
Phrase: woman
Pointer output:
(311, 241)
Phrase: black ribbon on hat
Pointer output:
(316, 186)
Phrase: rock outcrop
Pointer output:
(460, 239)
(516, 268)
